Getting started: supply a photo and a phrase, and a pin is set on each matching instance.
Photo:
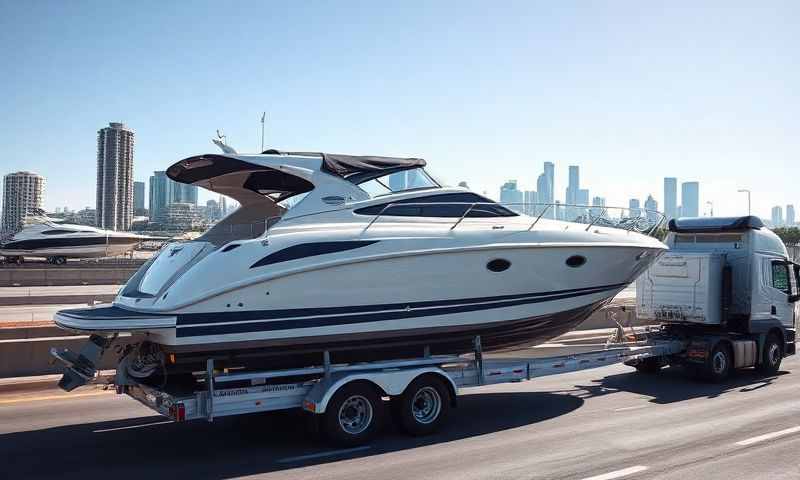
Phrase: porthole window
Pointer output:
(498, 265)
(576, 261)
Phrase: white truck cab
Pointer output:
(727, 280)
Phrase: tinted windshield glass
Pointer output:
(398, 182)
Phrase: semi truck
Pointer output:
(728, 290)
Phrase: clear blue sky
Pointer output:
(486, 91)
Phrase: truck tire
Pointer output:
(772, 356)
(719, 364)
(650, 365)
(353, 416)
(423, 407)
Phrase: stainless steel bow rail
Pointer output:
(640, 220)
(315, 388)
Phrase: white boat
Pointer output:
(43, 237)
(363, 257)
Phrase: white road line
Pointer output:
(619, 473)
(323, 454)
(625, 409)
(768, 436)
(132, 426)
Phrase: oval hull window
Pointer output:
(498, 265)
(576, 261)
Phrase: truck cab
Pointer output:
(725, 280)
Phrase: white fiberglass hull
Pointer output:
(440, 299)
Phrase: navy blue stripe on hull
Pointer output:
(443, 308)
(218, 317)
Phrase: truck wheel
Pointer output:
(423, 407)
(771, 357)
(649, 365)
(353, 416)
(719, 363)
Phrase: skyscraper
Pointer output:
(598, 207)
(777, 216)
(690, 199)
(138, 198)
(23, 195)
(115, 177)
(574, 185)
(183, 193)
(547, 195)
(670, 197)
(790, 215)
(634, 208)
(531, 199)
(510, 195)
(651, 205)
(160, 195)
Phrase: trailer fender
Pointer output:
(391, 383)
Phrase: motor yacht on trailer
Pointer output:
(364, 257)
(43, 237)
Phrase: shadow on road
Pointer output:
(237, 446)
(672, 385)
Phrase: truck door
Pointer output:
(780, 289)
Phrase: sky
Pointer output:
(485, 91)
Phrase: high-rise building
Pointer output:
(690, 199)
(573, 186)
(598, 207)
(777, 216)
(510, 195)
(213, 212)
(115, 177)
(651, 206)
(634, 207)
(138, 198)
(183, 193)
(790, 216)
(670, 197)
(160, 195)
(23, 195)
(547, 195)
(531, 198)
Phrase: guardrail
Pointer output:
(639, 220)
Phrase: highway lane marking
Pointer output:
(132, 426)
(323, 454)
(52, 397)
(618, 473)
(625, 409)
(768, 436)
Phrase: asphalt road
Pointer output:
(604, 423)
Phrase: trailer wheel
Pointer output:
(650, 365)
(719, 363)
(423, 407)
(771, 357)
(353, 416)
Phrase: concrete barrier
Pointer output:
(58, 276)
(31, 356)
(56, 299)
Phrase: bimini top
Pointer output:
(357, 169)
(715, 224)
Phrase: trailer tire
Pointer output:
(771, 357)
(719, 364)
(354, 415)
(423, 407)
(650, 366)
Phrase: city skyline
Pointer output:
(646, 111)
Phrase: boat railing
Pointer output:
(640, 220)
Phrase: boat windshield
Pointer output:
(414, 179)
